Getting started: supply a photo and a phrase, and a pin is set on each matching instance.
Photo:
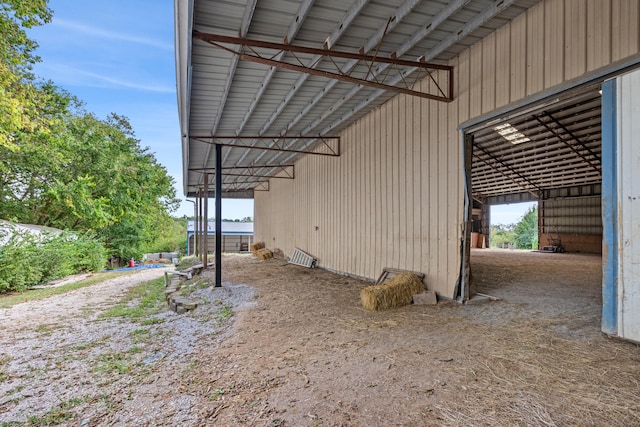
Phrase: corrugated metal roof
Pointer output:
(563, 148)
(220, 93)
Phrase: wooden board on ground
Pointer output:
(389, 273)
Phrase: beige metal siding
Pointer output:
(598, 33)
(624, 28)
(575, 36)
(395, 198)
(534, 80)
(383, 203)
(554, 22)
(503, 56)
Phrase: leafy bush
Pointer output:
(170, 236)
(27, 260)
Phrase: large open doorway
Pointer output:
(547, 154)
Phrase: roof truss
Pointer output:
(362, 73)
(280, 171)
(319, 145)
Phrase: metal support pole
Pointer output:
(218, 215)
(196, 240)
(200, 239)
(195, 230)
(205, 227)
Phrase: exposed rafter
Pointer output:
(281, 171)
(455, 36)
(303, 10)
(594, 161)
(229, 96)
(441, 17)
(511, 172)
(437, 20)
(330, 145)
(244, 29)
(371, 43)
(441, 75)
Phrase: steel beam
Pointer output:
(509, 168)
(265, 186)
(289, 171)
(244, 29)
(253, 56)
(257, 176)
(337, 32)
(329, 53)
(239, 183)
(402, 11)
(217, 140)
(205, 254)
(573, 137)
(463, 31)
(202, 227)
(301, 15)
(441, 17)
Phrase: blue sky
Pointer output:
(509, 214)
(117, 56)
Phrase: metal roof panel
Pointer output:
(227, 93)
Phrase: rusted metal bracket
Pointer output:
(264, 186)
(282, 171)
(328, 146)
(440, 75)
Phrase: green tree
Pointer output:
(526, 231)
(90, 174)
(502, 234)
(20, 98)
(63, 167)
(170, 237)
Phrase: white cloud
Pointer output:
(111, 35)
(130, 84)
(72, 75)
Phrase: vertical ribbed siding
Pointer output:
(624, 28)
(533, 78)
(572, 216)
(395, 198)
(628, 209)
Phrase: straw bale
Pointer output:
(396, 292)
(264, 254)
(255, 247)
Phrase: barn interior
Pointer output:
(550, 153)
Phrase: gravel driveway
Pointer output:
(62, 363)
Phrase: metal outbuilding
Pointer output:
(366, 131)
(236, 236)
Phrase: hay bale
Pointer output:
(397, 292)
(278, 253)
(255, 247)
(264, 254)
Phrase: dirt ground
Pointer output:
(309, 355)
(301, 351)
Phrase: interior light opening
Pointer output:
(511, 134)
